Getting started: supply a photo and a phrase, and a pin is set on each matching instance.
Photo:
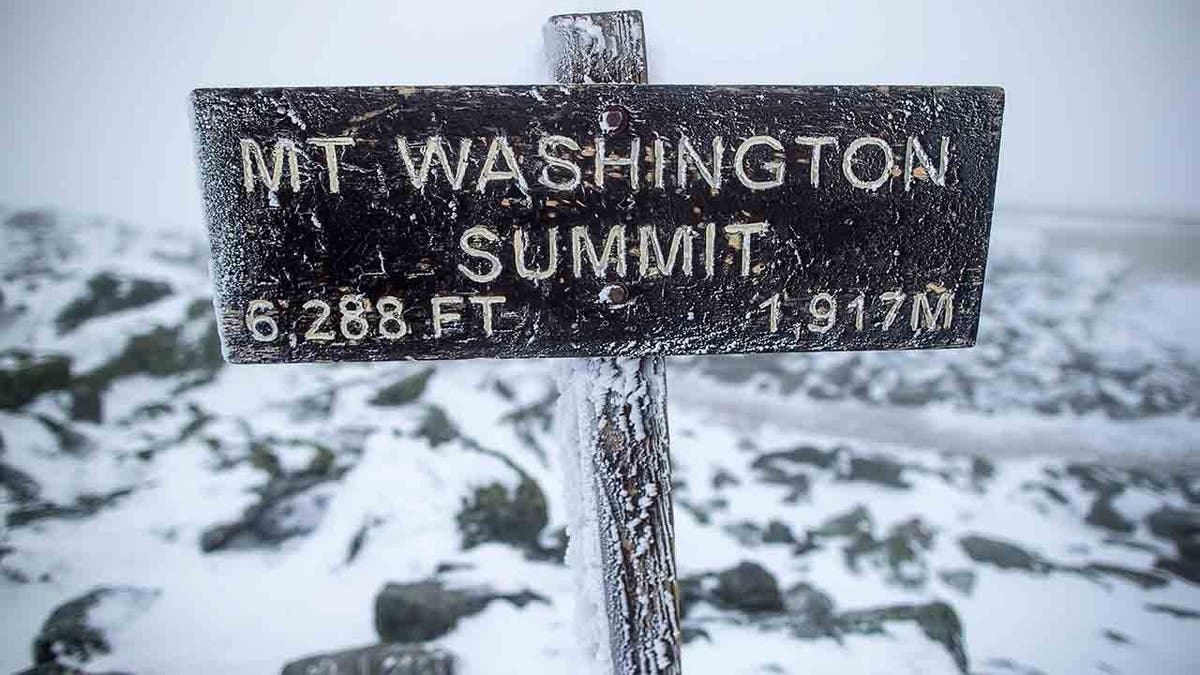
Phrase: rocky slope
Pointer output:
(164, 512)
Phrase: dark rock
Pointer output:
(962, 580)
(87, 403)
(902, 552)
(69, 636)
(404, 391)
(394, 659)
(807, 546)
(1003, 666)
(448, 567)
(22, 488)
(1104, 514)
(1177, 612)
(1050, 491)
(217, 537)
(812, 611)
(1133, 544)
(424, 610)
(84, 506)
(69, 440)
(689, 633)
(1146, 580)
(775, 468)
(317, 406)
(163, 352)
(1169, 522)
(778, 532)
(853, 522)
(1190, 487)
(1189, 547)
(292, 516)
(493, 513)
(553, 547)
(804, 454)
(1001, 554)
(1115, 636)
(522, 598)
(691, 591)
(1096, 478)
(287, 506)
(57, 669)
(1186, 569)
(24, 377)
(878, 470)
(723, 478)
(937, 620)
(359, 540)
(748, 587)
(106, 294)
(436, 427)
(982, 470)
(697, 511)
(747, 534)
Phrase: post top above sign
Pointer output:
(372, 223)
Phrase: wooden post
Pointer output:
(614, 419)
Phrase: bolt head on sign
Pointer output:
(374, 223)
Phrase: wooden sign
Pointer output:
(372, 223)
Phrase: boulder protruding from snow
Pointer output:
(393, 659)
(423, 610)
(748, 587)
(80, 629)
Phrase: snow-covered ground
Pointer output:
(1027, 506)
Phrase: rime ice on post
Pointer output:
(613, 416)
(602, 47)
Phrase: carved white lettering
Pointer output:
(775, 165)
(923, 314)
(435, 149)
(848, 163)
(914, 151)
(272, 178)
(464, 242)
(330, 146)
(614, 250)
(442, 317)
(545, 146)
(485, 303)
(500, 147)
(744, 232)
(648, 243)
(688, 155)
(524, 271)
(603, 160)
(814, 165)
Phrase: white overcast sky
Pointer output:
(1102, 97)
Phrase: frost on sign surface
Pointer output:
(455, 222)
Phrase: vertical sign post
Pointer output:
(614, 418)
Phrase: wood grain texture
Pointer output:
(620, 415)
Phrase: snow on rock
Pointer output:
(125, 443)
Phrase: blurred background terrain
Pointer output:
(1027, 506)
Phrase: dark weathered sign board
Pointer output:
(372, 223)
